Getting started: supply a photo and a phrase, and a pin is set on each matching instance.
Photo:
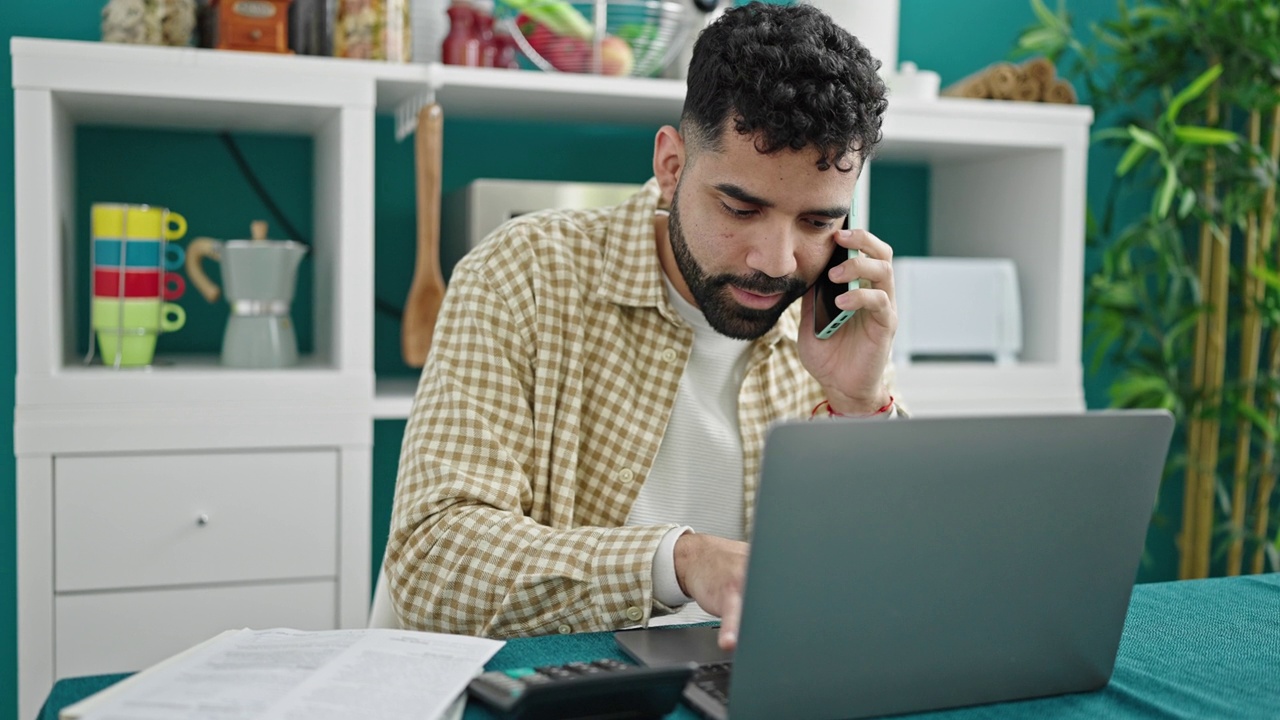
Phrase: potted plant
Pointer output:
(1186, 301)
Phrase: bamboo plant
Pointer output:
(1186, 301)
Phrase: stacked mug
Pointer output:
(133, 256)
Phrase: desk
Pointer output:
(1194, 649)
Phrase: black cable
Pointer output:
(379, 304)
(261, 191)
(387, 308)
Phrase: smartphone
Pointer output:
(827, 316)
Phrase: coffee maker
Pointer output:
(259, 277)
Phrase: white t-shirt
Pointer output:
(697, 477)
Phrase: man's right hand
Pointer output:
(712, 571)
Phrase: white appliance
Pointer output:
(957, 309)
(471, 213)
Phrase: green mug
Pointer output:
(127, 347)
(153, 315)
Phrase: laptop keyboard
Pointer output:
(713, 679)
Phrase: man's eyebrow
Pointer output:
(738, 193)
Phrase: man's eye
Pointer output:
(822, 224)
(736, 212)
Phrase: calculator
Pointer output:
(601, 689)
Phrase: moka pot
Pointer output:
(259, 277)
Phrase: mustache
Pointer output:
(762, 284)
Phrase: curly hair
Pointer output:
(791, 77)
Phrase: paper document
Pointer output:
(292, 674)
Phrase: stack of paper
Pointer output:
(288, 674)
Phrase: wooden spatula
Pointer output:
(427, 290)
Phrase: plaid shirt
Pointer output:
(553, 371)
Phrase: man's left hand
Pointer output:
(850, 364)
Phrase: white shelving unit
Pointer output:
(1008, 180)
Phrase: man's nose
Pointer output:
(772, 252)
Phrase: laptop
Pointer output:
(914, 565)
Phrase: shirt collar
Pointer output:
(633, 276)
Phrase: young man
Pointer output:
(585, 444)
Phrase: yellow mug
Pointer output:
(136, 222)
(153, 315)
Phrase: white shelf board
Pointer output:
(527, 95)
(200, 88)
(393, 399)
(194, 379)
(108, 84)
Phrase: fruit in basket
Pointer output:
(616, 57)
(567, 54)
(639, 37)
(558, 16)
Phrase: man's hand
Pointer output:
(850, 364)
(711, 570)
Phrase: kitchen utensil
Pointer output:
(259, 277)
(261, 25)
(136, 222)
(138, 254)
(126, 330)
(426, 292)
(117, 283)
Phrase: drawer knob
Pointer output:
(202, 519)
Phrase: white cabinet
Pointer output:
(137, 457)
(159, 506)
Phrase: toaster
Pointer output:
(957, 309)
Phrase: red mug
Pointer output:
(137, 283)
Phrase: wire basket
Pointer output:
(609, 37)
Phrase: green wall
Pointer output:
(949, 37)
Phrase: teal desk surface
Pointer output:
(1192, 649)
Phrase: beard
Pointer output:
(726, 315)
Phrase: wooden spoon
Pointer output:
(427, 290)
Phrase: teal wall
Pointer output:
(950, 37)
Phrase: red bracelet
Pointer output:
(832, 413)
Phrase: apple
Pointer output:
(616, 57)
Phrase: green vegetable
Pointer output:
(559, 16)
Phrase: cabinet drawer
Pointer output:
(97, 633)
(163, 520)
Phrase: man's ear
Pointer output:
(668, 161)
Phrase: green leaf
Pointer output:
(1131, 157)
(1192, 91)
(1155, 13)
(1111, 134)
(1258, 419)
(1204, 136)
(1167, 191)
(1188, 202)
(1268, 276)
(1140, 391)
(1043, 40)
(1146, 138)
(1046, 16)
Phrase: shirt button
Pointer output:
(668, 355)
(564, 629)
(625, 475)
(634, 614)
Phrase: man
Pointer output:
(585, 444)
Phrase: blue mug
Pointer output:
(138, 254)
